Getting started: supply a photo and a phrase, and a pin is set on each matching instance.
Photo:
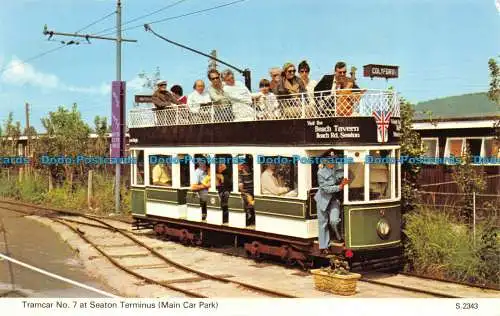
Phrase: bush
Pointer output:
(439, 246)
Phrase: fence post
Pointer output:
(90, 189)
(474, 217)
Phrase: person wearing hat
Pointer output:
(162, 98)
(327, 203)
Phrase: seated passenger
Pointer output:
(179, 94)
(221, 102)
(162, 175)
(198, 97)
(289, 92)
(266, 103)
(269, 183)
(162, 98)
(240, 97)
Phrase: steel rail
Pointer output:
(408, 288)
(110, 227)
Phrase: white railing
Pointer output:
(300, 106)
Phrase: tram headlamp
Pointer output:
(383, 228)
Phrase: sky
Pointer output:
(441, 46)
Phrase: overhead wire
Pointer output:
(180, 16)
(95, 22)
(142, 16)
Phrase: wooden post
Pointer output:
(51, 185)
(90, 189)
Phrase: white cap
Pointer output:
(161, 82)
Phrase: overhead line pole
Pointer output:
(118, 78)
(118, 41)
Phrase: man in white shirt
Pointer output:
(269, 183)
(240, 97)
(198, 97)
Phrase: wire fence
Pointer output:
(484, 208)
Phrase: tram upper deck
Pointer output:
(344, 117)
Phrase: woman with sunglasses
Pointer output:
(289, 92)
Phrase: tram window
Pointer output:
(202, 160)
(380, 175)
(224, 171)
(491, 148)
(139, 175)
(278, 176)
(160, 170)
(356, 171)
(474, 146)
(245, 173)
(184, 166)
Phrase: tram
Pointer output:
(366, 135)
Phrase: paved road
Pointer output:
(36, 244)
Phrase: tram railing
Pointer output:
(340, 103)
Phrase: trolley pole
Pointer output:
(118, 78)
(118, 41)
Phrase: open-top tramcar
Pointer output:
(286, 225)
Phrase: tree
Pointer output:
(67, 135)
(411, 145)
(9, 136)
(494, 92)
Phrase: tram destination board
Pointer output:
(337, 130)
(381, 71)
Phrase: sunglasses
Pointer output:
(342, 72)
(304, 70)
(214, 78)
(291, 71)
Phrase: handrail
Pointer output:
(324, 104)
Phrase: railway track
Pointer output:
(75, 225)
(93, 222)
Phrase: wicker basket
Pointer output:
(335, 283)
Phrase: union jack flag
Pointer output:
(382, 119)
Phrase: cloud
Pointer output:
(19, 73)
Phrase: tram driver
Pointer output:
(328, 201)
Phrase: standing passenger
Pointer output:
(240, 97)
(275, 74)
(201, 186)
(245, 184)
(221, 103)
(327, 201)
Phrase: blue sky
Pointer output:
(442, 47)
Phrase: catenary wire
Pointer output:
(141, 17)
(180, 16)
(95, 22)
